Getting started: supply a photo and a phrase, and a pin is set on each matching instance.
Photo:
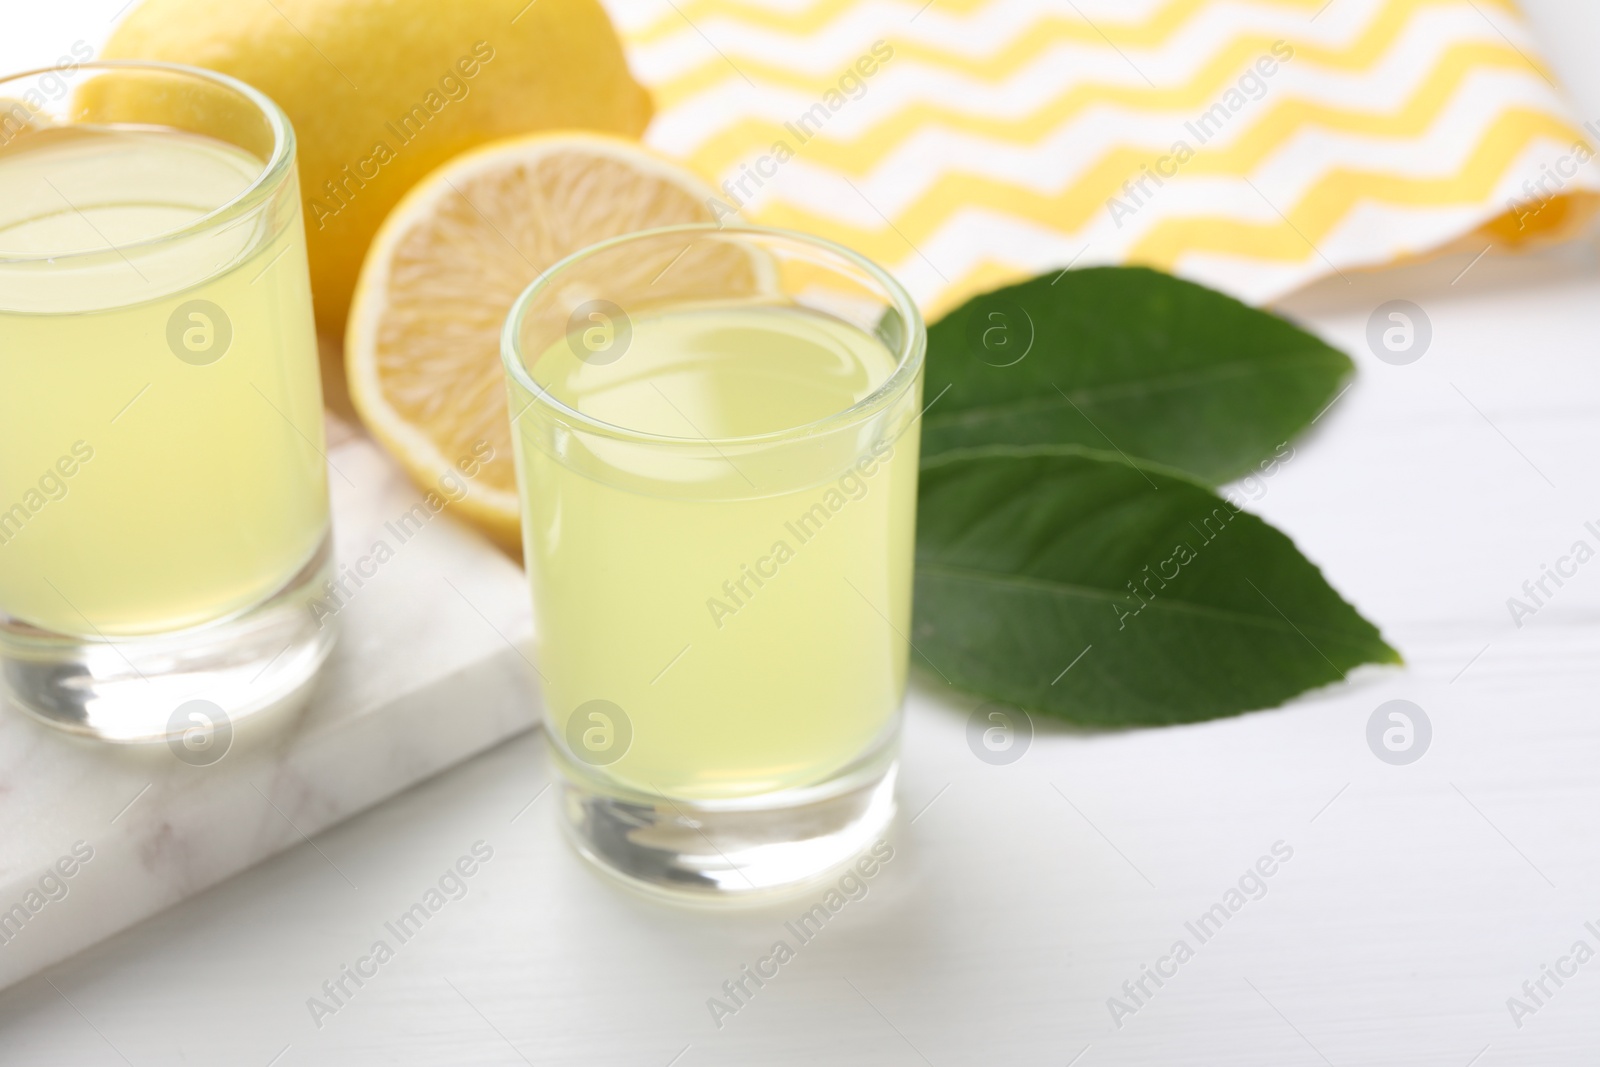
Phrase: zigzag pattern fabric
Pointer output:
(1252, 145)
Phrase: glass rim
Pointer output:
(273, 170)
(908, 357)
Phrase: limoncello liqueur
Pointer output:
(160, 409)
(745, 613)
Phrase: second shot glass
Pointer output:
(717, 445)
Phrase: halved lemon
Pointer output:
(422, 348)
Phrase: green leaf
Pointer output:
(1028, 556)
(1129, 360)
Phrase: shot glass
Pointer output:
(716, 434)
(163, 493)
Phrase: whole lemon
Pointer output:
(383, 91)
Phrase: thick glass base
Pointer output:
(750, 852)
(138, 689)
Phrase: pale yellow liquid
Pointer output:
(801, 670)
(195, 491)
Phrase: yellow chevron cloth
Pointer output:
(1253, 145)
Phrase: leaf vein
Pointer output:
(1099, 394)
(1058, 588)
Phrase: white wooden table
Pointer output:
(1417, 900)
